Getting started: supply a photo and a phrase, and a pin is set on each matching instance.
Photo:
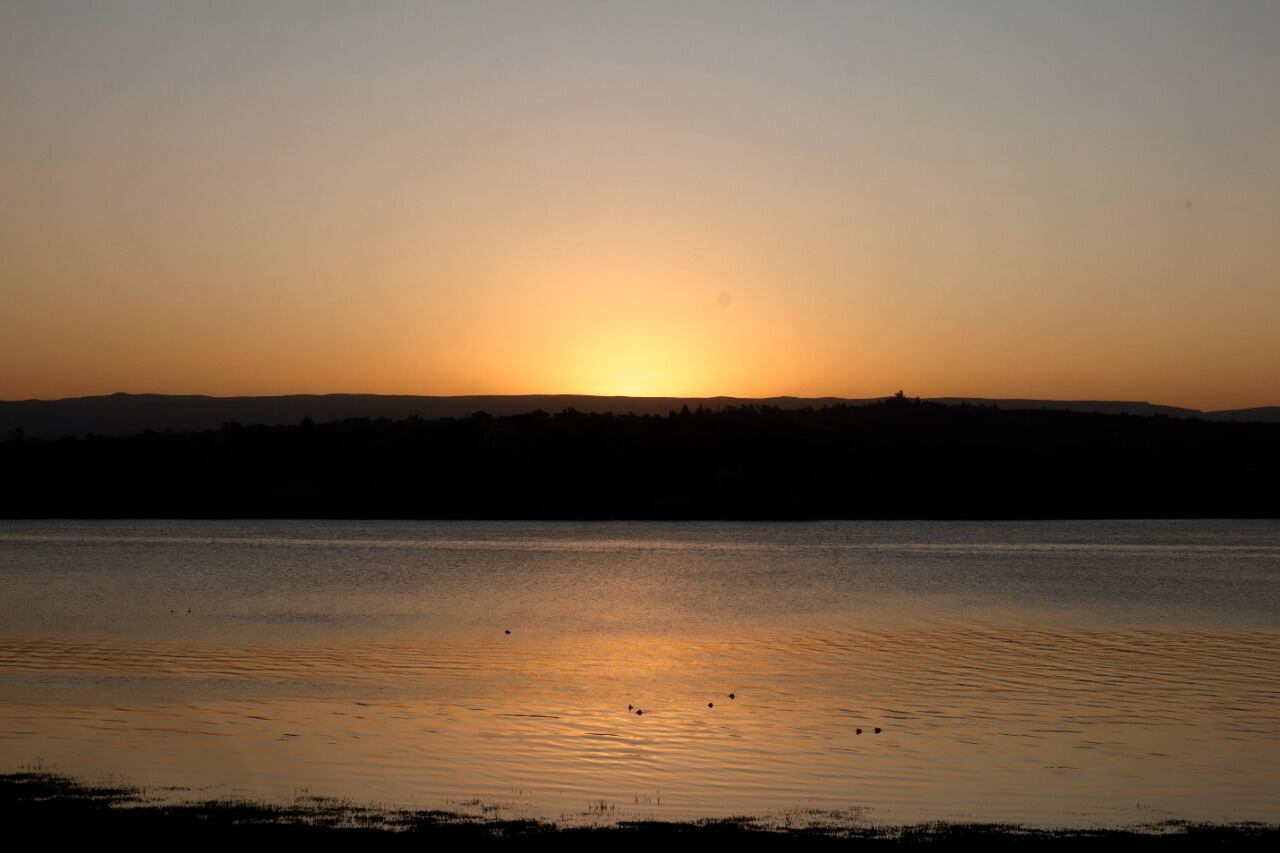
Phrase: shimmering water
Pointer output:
(1065, 673)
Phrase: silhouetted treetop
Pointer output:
(898, 459)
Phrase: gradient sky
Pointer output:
(1057, 199)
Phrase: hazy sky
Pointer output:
(1058, 199)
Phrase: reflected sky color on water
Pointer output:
(1074, 673)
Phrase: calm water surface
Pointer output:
(1064, 673)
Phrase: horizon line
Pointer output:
(762, 398)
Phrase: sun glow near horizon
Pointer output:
(997, 200)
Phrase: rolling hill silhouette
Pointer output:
(128, 414)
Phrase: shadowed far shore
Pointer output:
(127, 414)
(57, 808)
(894, 459)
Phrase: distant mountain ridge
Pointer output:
(126, 414)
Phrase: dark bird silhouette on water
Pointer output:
(639, 712)
(877, 730)
(857, 731)
(733, 696)
(711, 704)
(629, 708)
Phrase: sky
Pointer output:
(1025, 199)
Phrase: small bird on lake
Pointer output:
(711, 704)
(733, 696)
(877, 730)
(639, 712)
(507, 632)
(629, 708)
(857, 731)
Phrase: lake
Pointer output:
(1052, 673)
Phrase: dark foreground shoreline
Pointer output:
(56, 808)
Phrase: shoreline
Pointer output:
(57, 807)
(897, 459)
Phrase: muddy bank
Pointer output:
(59, 809)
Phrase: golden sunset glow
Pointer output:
(618, 199)
(680, 423)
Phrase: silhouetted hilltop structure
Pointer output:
(126, 414)
(892, 459)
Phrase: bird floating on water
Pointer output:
(711, 704)
(857, 731)
(733, 696)
(877, 730)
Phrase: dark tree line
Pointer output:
(896, 459)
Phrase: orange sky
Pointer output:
(987, 199)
